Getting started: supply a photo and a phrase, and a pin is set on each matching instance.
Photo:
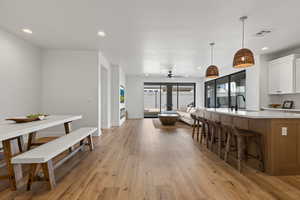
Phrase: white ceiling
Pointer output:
(145, 35)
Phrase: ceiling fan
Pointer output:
(171, 75)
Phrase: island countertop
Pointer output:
(253, 114)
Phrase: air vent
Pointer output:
(262, 33)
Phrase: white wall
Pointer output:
(135, 93)
(135, 97)
(104, 106)
(20, 69)
(70, 85)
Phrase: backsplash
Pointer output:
(281, 98)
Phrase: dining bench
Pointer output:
(42, 156)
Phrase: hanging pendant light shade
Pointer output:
(212, 71)
(244, 57)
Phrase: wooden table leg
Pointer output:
(21, 143)
(90, 141)
(15, 174)
(31, 139)
(68, 129)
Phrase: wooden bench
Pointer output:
(43, 155)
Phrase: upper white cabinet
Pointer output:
(297, 70)
(283, 74)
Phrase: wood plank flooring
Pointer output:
(141, 162)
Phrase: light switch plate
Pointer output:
(284, 131)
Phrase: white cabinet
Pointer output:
(297, 70)
(274, 72)
(282, 75)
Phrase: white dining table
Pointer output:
(12, 133)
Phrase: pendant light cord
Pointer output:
(243, 42)
(243, 21)
(211, 52)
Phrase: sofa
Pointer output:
(185, 115)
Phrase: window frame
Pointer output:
(215, 88)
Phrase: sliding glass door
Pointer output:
(161, 97)
(152, 100)
(186, 96)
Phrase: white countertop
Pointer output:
(282, 109)
(9, 129)
(255, 114)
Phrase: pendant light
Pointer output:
(212, 71)
(244, 57)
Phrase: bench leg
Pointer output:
(68, 129)
(48, 171)
(31, 140)
(90, 141)
(34, 168)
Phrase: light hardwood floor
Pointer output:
(140, 162)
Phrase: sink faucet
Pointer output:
(236, 107)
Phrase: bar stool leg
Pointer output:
(198, 129)
(208, 134)
(219, 141)
(241, 151)
(258, 141)
(227, 147)
(212, 137)
(202, 132)
(194, 127)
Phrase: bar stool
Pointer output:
(241, 145)
(205, 130)
(217, 136)
(196, 126)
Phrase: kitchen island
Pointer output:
(280, 134)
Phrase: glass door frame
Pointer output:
(215, 88)
(176, 84)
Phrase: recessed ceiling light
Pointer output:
(26, 30)
(265, 48)
(101, 33)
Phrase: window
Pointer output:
(225, 91)
(210, 88)
(222, 92)
(238, 88)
